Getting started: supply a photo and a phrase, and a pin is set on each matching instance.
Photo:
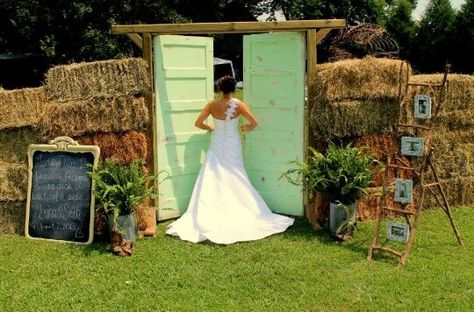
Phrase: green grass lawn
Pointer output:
(299, 270)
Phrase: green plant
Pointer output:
(342, 174)
(120, 188)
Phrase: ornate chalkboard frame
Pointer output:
(68, 145)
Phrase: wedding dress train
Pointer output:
(225, 208)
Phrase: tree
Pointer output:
(464, 39)
(432, 46)
(401, 26)
(353, 11)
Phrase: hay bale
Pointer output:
(457, 190)
(81, 81)
(13, 181)
(12, 217)
(459, 89)
(99, 114)
(368, 206)
(362, 79)
(125, 147)
(353, 118)
(14, 142)
(21, 107)
(382, 145)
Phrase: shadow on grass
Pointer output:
(302, 229)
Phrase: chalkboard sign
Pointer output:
(60, 203)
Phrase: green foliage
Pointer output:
(120, 188)
(342, 174)
(401, 26)
(434, 37)
(353, 11)
(464, 39)
(78, 30)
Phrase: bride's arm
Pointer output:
(206, 111)
(245, 111)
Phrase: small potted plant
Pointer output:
(119, 190)
(342, 175)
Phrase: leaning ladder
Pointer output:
(419, 166)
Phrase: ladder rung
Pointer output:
(414, 126)
(425, 84)
(401, 167)
(431, 184)
(389, 250)
(399, 210)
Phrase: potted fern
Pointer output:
(119, 190)
(342, 175)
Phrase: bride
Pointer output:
(225, 208)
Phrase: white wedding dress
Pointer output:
(225, 208)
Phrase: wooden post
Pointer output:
(310, 75)
(151, 154)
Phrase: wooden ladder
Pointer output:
(419, 166)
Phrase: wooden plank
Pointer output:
(228, 27)
(399, 210)
(136, 39)
(322, 33)
(413, 126)
(147, 49)
(389, 250)
(311, 60)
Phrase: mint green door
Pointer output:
(274, 72)
(183, 71)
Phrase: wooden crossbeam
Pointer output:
(137, 39)
(229, 27)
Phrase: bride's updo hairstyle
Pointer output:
(226, 84)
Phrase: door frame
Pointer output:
(141, 36)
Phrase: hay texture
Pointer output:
(99, 114)
(12, 217)
(80, 81)
(457, 107)
(368, 206)
(21, 107)
(362, 79)
(125, 147)
(13, 181)
(381, 145)
(14, 143)
(353, 118)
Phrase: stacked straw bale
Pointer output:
(357, 101)
(21, 112)
(101, 103)
(99, 114)
(22, 107)
(453, 135)
(14, 143)
(12, 217)
(355, 97)
(13, 181)
(82, 81)
(124, 147)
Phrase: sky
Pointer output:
(422, 5)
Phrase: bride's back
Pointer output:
(218, 108)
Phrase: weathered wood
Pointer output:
(375, 241)
(136, 39)
(446, 203)
(389, 250)
(322, 33)
(425, 164)
(399, 210)
(228, 27)
(414, 126)
(151, 129)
